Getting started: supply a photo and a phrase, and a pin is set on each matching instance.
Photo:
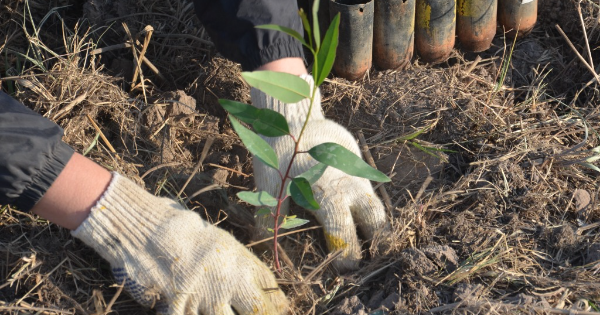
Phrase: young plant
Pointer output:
(411, 139)
(289, 88)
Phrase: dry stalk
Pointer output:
(283, 234)
(367, 153)
(585, 36)
(145, 59)
(110, 147)
(585, 63)
(207, 146)
(147, 31)
(40, 282)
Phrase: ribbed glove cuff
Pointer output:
(294, 113)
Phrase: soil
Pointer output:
(498, 214)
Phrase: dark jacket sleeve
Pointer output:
(231, 26)
(32, 154)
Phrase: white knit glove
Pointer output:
(346, 201)
(171, 259)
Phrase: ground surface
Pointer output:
(507, 223)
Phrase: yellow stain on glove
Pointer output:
(335, 243)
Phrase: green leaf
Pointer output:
(255, 144)
(285, 87)
(316, 30)
(306, 25)
(92, 145)
(592, 159)
(327, 52)
(302, 194)
(413, 135)
(427, 150)
(244, 112)
(284, 29)
(271, 123)
(590, 166)
(261, 198)
(262, 212)
(444, 150)
(265, 121)
(341, 158)
(314, 173)
(292, 222)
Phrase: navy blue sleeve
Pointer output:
(231, 26)
(32, 154)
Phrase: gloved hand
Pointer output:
(346, 201)
(171, 259)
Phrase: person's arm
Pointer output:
(70, 198)
(292, 65)
(40, 173)
(32, 154)
(166, 257)
(231, 26)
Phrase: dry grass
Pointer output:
(505, 222)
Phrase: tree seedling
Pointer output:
(290, 88)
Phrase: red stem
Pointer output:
(279, 202)
(287, 175)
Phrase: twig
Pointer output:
(587, 227)
(110, 48)
(104, 139)
(207, 146)
(148, 30)
(374, 273)
(585, 37)
(367, 153)
(159, 167)
(284, 256)
(588, 66)
(423, 187)
(146, 61)
(227, 168)
(70, 106)
(330, 258)
(42, 281)
(135, 58)
(203, 190)
(115, 297)
(283, 234)
(472, 66)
